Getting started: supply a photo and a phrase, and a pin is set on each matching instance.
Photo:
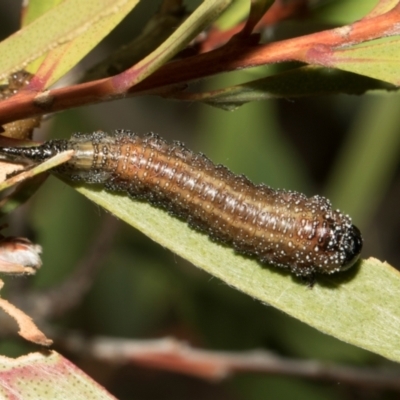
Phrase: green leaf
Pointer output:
(62, 59)
(382, 7)
(300, 82)
(30, 180)
(361, 306)
(235, 13)
(61, 24)
(379, 59)
(36, 8)
(188, 30)
(52, 162)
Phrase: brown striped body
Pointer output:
(278, 227)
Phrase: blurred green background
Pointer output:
(343, 147)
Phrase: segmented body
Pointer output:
(278, 227)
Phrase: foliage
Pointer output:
(359, 307)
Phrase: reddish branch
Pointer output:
(279, 11)
(317, 48)
(172, 355)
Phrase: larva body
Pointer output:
(278, 227)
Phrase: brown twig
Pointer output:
(316, 48)
(173, 355)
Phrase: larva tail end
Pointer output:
(16, 154)
(33, 154)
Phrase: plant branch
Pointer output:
(279, 11)
(316, 48)
(173, 355)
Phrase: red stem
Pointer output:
(314, 49)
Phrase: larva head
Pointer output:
(350, 245)
(342, 243)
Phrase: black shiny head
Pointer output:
(352, 246)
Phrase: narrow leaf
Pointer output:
(35, 9)
(62, 59)
(360, 306)
(379, 59)
(40, 168)
(188, 30)
(61, 24)
(300, 82)
(383, 7)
